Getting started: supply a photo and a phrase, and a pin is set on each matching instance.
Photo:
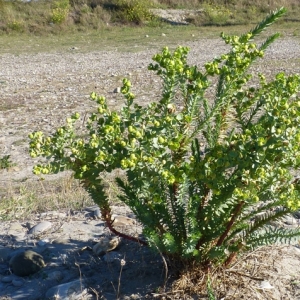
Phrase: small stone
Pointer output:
(61, 240)
(265, 285)
(26, 263)
(117, 90)
(17, 282)
(97, 213)
(146, 35)
(41, 227)
(106, 244)
(42, 243)
(68, 290)
(7, 279)
(15, 229)
(163, 34)
(122, 221)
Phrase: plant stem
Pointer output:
(201, 205)
(107, 218)
(230, 223)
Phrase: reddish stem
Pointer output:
(230, 223)
(107, 218)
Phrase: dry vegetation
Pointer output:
(55, 17)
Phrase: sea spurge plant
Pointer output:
(197, 167)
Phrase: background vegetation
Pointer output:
(53, 17)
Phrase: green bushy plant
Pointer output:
(199, 168)
(60, 11)
(134, 11)
(15, 26)
(217, 14)
(5, 162)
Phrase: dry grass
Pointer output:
(21, 201)
(242, 280)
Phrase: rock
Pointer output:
(7, 279)
(97, 213)
(16, 229)
(70, 290)
(106, 244)
(61, 240)
(41, 227)
(122, 221)
(17, 282)
(117, 90)
(265, 285)
(42, 243)
(26, 263)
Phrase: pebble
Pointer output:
(7, 279)
(66, 290)
(117, 90)
(106, 244)
(16, 229)
(42, 243)
(265, 285)
(97, 213)
(41, 227)
(122, 220)
(61, 240)
(18, 282)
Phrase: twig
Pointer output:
(80, 275)
(95, 292)
(166, 268)
(245, 275)
(167, 293)
(123, 262)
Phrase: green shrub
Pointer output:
(197, 172)
(134, 11)
(60, 11)
(216, 14)
(5, 162)
(15, 26)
